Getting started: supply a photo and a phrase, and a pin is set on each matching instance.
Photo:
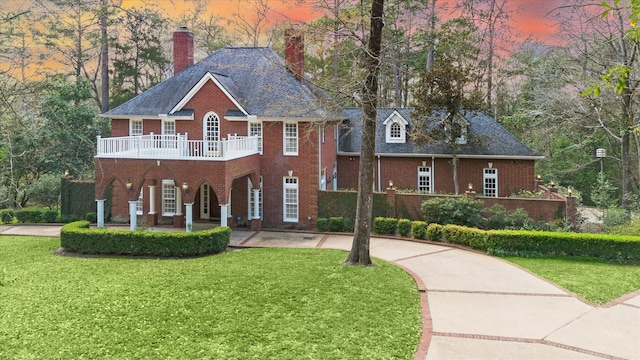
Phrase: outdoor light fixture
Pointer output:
(569, 190)
(390, 184)
(539, 177)
(129, 185)
(552, 183)
(66, 173)
(185, 186)
(470, 186)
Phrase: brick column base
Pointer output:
(152, 219)
(178, 221)
(255, 224)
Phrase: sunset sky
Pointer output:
(531, 18)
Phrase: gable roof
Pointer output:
(255, 78)
(499, 142)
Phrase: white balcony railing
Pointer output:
(176, 147)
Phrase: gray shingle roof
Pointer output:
(495, 140)
(255, 77)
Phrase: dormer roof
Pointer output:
(497, 141)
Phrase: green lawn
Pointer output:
(596, 281)
(248, 304)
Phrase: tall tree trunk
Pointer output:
(432, 27)
(359, 254)
(104, 59)
(336, 10)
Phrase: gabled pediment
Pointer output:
(198, 86)
(396, 128)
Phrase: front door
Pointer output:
(204, 201)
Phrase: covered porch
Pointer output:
(183, 194)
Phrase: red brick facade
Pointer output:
(513, 175)
(227, 179)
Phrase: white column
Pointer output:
(152, 199)
(189, 216)
(223, 214)
(133, 217)
(100, 204)
(256, 204)
(229, 215)
(178, 201)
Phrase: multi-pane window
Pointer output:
(168, 129)
(139, 209)
(211, 131)
(395, 132)
(290, 196)
(252, 200)
(168, 198)
(255, 129)
(395, 129)
(424, 179)
(136, 127)
(290, 138)
(490, 182)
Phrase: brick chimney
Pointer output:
(182, 49)
(294, 51)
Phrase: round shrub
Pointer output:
(434, 232)
(453, 210)
(404, 227)
(419, 230)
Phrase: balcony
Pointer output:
(177, 147)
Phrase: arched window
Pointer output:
(211, 131)
(396, 128)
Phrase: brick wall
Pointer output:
(407, 206)
(513, 175)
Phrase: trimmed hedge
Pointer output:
(334, 224)
(434, 232)
(404, 227)
(532, 243)
(419, 229)
(385, 225)
(8, 216)
(78, 237)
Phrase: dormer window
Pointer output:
(396, 128)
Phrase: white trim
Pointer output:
(290, 183)
(425, 172)
(251, 204)
(396, 118)
(194, 90)
(131, 121)
(169, 184)
(255, 121)
(489, 174)
(211, 143)
(284, 139)
(447, 156)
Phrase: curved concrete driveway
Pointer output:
(480, 307)
(477, 306)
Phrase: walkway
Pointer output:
(476, 306)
